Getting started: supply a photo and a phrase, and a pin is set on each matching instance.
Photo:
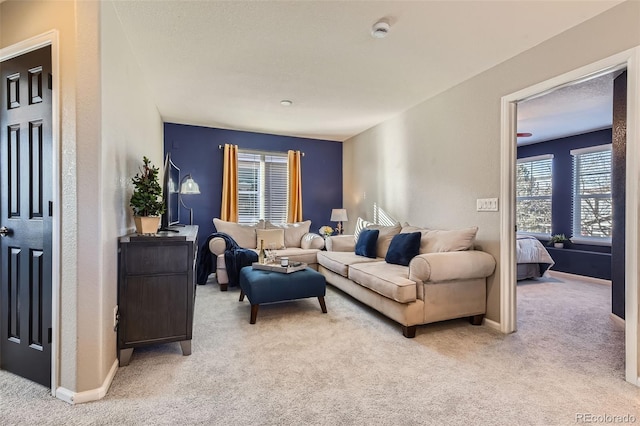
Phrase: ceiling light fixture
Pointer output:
(380, 29)
(286, 102)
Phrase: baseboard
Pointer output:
(91, 395)
(617, 320)
(492, 324)
(578, 277)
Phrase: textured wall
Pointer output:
(429, 165)
(131, 129)
(194, 149)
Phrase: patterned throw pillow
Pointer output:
(360, 225)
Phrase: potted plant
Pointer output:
(146, 201)
(558, 240)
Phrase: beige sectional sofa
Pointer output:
(446, 280)
(286, 239)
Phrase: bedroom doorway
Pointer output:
(625, 60)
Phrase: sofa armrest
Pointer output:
(453, 265)
(340, 243)
(217, 246)
(311, 240)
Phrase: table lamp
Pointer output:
(339, 215)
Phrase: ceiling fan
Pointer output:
(524, 135)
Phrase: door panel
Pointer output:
(25, 188)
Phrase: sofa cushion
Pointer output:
(384, 237)
(339, 261)
(386, 279)
(244, 235)
(437, 241)
(293, 232)
(273, 238)
(403, 248)
(453, 240)
(366, 244)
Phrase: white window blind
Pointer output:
(592, 205)
(262, 187)
(533, 194)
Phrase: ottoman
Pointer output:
(266, 286)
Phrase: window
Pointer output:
(262, 187)
(533, 194)
(592, 206)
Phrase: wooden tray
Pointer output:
(274, 267)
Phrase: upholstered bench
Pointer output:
(266, 287)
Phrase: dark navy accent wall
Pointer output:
(580, 258)
(194, 149)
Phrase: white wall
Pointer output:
(428, 165)
(131, 128)
(108, 121)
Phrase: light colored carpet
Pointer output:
(353, 366)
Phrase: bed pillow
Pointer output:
(366, 245)
(403, 248)
(273, 238)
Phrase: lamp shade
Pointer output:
(339, 215)
(189, 186)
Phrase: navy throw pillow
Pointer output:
(403, 248)
(366, 245)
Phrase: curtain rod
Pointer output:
(222, 146)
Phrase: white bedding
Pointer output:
(531, 251)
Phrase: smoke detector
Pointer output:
(380, 29)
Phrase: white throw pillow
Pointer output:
(244, 235)
(360, 225)
(273, 238)
(293, 232)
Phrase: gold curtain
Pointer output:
(229, 208)
(294, 209)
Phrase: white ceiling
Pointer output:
(229, 64)
(571, 110)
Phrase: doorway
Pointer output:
(628, 60)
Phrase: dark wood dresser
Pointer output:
(156, 289)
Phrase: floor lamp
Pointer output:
(188, 186)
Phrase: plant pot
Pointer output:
(558, 245)
(147, 224)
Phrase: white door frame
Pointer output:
(50, 38)
(630, 60)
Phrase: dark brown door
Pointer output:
(25, 215)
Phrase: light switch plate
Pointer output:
(487, 204)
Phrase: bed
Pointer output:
(532, 259)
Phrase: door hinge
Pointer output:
(49, 335)
(50, 208)
(50, 81)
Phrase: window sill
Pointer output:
(591, 241)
